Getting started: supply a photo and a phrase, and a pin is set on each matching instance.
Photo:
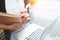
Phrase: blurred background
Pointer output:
(45, 11)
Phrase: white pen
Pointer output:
(27, 5)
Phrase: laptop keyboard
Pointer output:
(35, 35)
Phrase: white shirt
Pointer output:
(14, 6)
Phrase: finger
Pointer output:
(28, 18)
(22, 14)
(24, 11)
(23, 20)
(26, 15)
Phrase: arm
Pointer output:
(24, 17)
(12, 26)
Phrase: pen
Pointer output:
(27, 5)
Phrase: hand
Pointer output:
(24, 18)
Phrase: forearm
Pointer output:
(11, 27)
(15, 26)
